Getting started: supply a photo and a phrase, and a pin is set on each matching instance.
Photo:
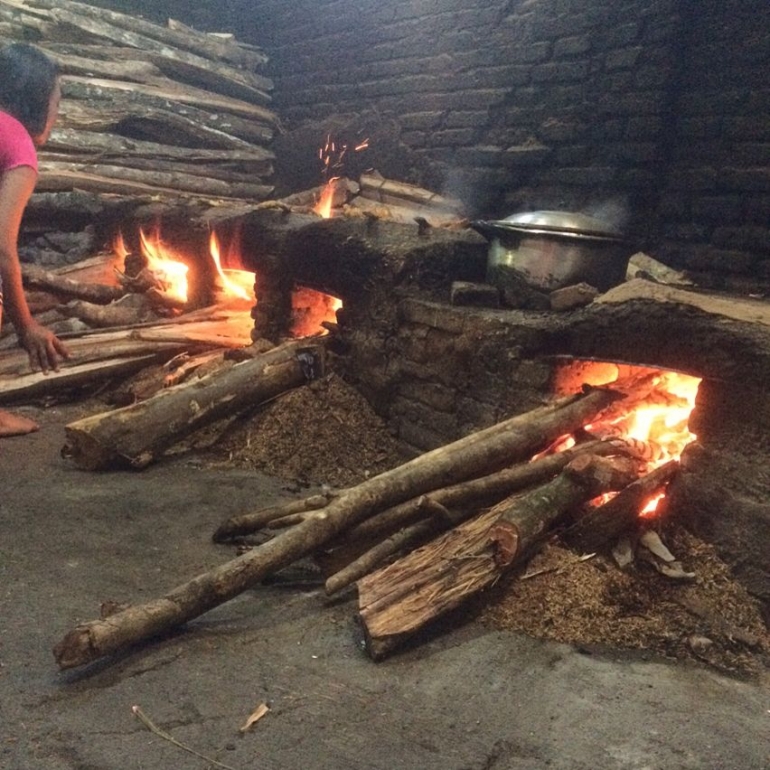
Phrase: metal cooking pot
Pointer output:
(553, 249)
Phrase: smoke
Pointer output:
(614, 213)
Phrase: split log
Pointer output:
(164, 94)
(75, 377)
(137, 435)
(403, 213)
(400, 600)
(157, 123)
(176, 35)
(37, 277)
(471, 456)
(56, 175)
(241, 84)
(109, 148)
(606, 523)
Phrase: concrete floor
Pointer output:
(469, 700)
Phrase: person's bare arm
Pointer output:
(44, 348)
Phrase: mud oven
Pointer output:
(436, 370)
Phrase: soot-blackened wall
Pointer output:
(652, 112)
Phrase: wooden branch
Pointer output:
(606, 523)
(248, 523)
(137, 435)
(400, 600)
(518, 437)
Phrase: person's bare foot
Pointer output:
(16, 425)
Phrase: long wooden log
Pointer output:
(110, 147)
(606, 523)
(158, 123)
(392, 192)
(471, 456)
(163, 94)
(38, 277)
(185, 37)
(477, 493)
(407, 596)
(240, 84)
(93, 175)
(448, 507)
(137, 435)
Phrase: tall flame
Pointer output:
(236, 283)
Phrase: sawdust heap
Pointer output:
(592, 603)
(323, 433)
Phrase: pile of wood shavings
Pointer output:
(322, 433)
(594, 604)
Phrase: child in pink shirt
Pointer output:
(29, 103)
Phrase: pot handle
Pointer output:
(488, 229)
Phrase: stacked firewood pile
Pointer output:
(459, 517)
(147, 109)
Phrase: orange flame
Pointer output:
(236, 283)
(168, 267)
(324, 206)
(656, 428)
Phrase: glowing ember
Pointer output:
(310, 309)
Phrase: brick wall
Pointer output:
(652, 112)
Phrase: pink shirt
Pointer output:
(16, 146)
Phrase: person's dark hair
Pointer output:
(27, 80)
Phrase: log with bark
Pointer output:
(137, 435)
(445, 508)
(411, 594)
(37, 277)
(468, 457)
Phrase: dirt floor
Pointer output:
(664, 675)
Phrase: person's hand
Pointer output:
(44, 347)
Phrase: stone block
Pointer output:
(623, 58)
(571, 297)
(560, 72)
(575, 45)
(464, 294)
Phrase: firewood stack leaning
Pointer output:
(147, 109)
(447, 490)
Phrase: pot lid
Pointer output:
(560, 221)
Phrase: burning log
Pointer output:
(137, 435)
(518, 437)
(400, 600)
(608, 522)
